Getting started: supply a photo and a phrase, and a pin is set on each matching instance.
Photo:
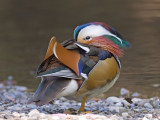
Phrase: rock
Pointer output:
(17, 108)
(24, 118)
(139, 101)
(155, 102)
(16, 114)
(119, 104)
(155, 85)
(136, 95)
(32, 106)
(149, 116)
(113, 100)
(145, 118)
(33, 114)
(22, 114)
(42, 116)
(124, 92)
(125, 114)
(10, 77)
(116, 109)
(1, 85)
(21, 88)
(113, 108)
(136, 100)
(125, 103)
(148, 105)
(6, 116)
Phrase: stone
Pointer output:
(124, 92)
(23, 114)
(149, 116)
(136, 100)
(125, 114)
(155, 85)
(139, 101)
(119, 104)
(1, 86)
(10, 77)
(42, 115)
(116, 109)
(113, 108)
(145, 118)
(33, 114)
(16, 114)
(21, 88)
(125, 103)
(17, 108)
(113, 100)
(33, 106)
(136, 95)
(148, 105)
(24, 118)
(155, 102)
(7, 116)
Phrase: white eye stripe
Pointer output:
(95, 31)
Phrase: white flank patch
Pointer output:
(63, 73)
(84, 75)
(84, 48)
(69, 90)
(95, 31)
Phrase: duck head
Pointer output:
(101, 35)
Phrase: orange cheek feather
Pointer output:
(105, 44)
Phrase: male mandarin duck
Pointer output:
(82, 68)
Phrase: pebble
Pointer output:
(149, 116)
(148, 105)
(124, 114)
(116, 109)
(33, 106)
(33, 112)
(125, 103)
(119, 104)
(113, 100)
(13, 106)
(17, 108)
(23, 114)
(21, 88)
(24, 118)
(155, 85)
(10, 77)
(16, 114)
(136, 95)
(136, 100)
(124, 92)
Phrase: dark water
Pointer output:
(27, 26)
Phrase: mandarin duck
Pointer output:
(81, 68)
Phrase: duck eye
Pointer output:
(87, 38)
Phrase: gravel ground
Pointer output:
(13, 106)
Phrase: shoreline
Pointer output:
(13, 106)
